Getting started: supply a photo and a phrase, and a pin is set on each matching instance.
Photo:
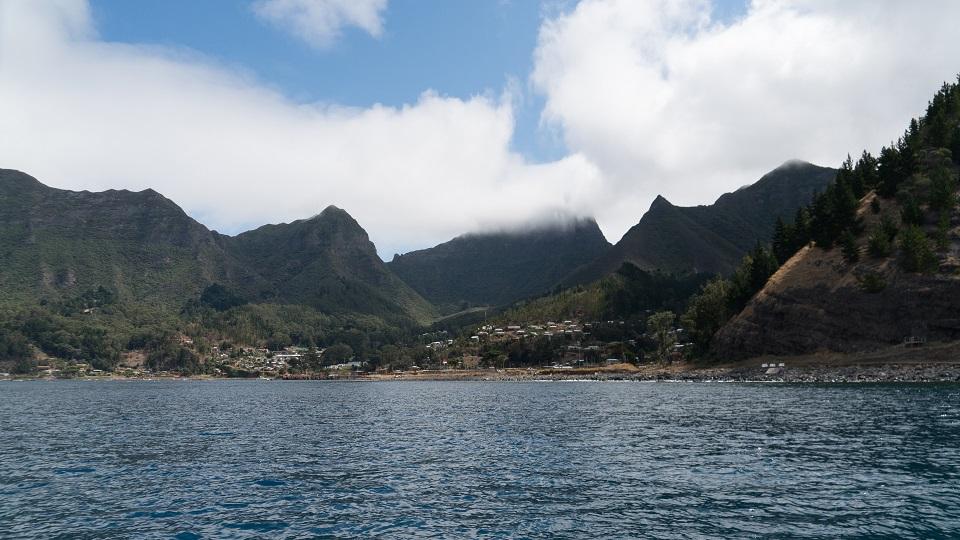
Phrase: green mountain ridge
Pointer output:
(711, 238)
(497, 268)
(57, 243)
(328, 262)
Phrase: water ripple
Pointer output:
(251, 459)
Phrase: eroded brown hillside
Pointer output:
(819, 302)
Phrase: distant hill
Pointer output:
(712, 238)
(498, 268)
(327, 262)
(628, 293)
(141, 245)
(57, 244)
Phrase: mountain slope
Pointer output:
(327, 262)
(817, 301)
(57, 244)
(143, 246)
(874, 273)
(712, 238)
(499, 268)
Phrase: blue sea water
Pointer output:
(269, 459)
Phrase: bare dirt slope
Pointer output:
(817, 302)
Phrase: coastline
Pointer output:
(888, 373)
(928, 372)
(934, 363)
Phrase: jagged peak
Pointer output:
(661, 202)
(331, 211)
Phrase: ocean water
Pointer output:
(269, 459)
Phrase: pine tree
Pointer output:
(783, 243)
(943, 228)
(943, 189)
(907, 147)
(888, 171)
(955, 145)
(763, 265)
(848, 246)
(916, 254)
(866, 171)
(801, 228)
(878, 243)
(910, 212)
(707, 312)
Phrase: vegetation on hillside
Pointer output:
(918, 171)
(498, 268)
(712, 238)
(136, 282)
(893, 219)
(630, 293)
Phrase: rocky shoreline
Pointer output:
(887, 373)
(912, 372)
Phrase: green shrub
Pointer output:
(889, 227)
(943, 189)
(916, 252)
(872, 282)
(942, 238)
(848, 246)
(910, 212)
(878, 244)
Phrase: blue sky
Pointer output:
(459, 48)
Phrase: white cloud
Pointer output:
(666, 100)
(319, 22)
(649, 97)
(80, 113)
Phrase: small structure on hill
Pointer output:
(914, 341)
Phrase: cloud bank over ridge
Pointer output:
(81, 113)
(649, 97)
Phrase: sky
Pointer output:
(426, 119)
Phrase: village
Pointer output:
(551, 345)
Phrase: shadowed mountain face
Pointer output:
(499, 268)
(56, 243)
(711, 239)
(327, 262)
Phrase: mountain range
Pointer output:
(57, 243)
(144, 247)
(498, 268)
(711, 238)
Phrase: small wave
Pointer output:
(74, 470)
(269, 482)
(258, 526)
